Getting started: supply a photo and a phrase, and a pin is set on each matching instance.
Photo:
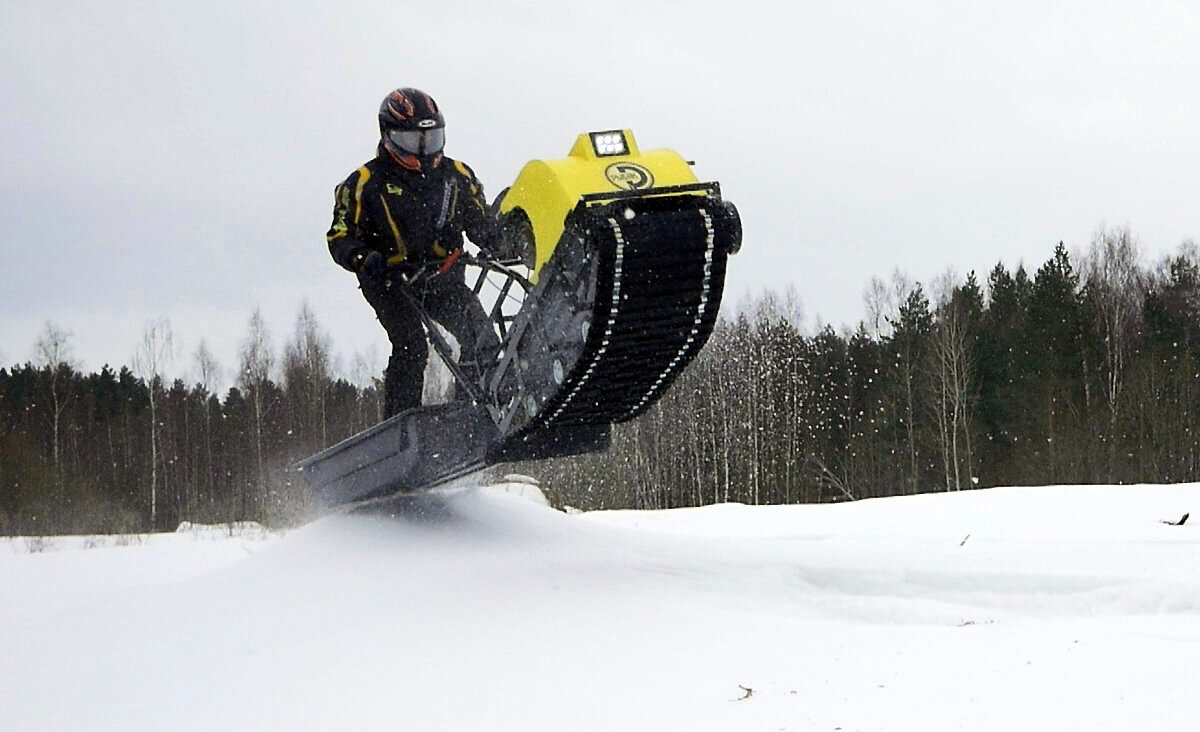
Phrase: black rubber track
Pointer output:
(670, 274)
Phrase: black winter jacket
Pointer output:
(408, 216)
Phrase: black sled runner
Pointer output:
(626, 255)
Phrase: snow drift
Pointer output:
(1035, 608)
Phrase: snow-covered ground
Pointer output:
(1013, 609)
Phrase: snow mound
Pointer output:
(520, 485)
(235, 528)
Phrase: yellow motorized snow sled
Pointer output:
(625, 254)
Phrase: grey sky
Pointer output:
(178, 158)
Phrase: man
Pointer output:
(398, 223)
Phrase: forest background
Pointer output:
(1086, 371)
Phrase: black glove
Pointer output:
(370, 264)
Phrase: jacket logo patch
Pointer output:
(629, 176)
(393, 188)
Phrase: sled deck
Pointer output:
(626, 253)
(405, 453)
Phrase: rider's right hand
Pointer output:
(371, 264)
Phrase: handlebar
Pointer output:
(410, 271)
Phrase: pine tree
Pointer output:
(1058, 366)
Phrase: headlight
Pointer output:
(609, 142)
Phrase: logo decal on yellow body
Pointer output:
(629, 176)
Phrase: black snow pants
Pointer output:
(449, 302)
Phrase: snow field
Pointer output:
(1036, 608)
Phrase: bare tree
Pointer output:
(792, 307)
(1115, 286)
(208, 371)
(53, 350)
(307, 373)
(953, 363)
(207, 377)
(254, 376)
(877, 300)
(365, 374)
(156, 350)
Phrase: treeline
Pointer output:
(1080, 373)
(125, 450)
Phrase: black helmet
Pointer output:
(411, 128)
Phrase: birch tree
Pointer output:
(53, 350)
(208, 375)
(307, 374)
(1114, 287)
(254, 376)
(154, 353)
(953, 357)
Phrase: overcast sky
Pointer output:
(177, 159)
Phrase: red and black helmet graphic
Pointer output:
(409, 109)
(411, 128)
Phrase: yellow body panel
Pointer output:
(547, 190)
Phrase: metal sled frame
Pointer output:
(502, 321)
(408, 451)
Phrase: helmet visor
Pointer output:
(419, 142)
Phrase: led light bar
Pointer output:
(609, 143)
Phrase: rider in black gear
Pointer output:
(398, 223)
